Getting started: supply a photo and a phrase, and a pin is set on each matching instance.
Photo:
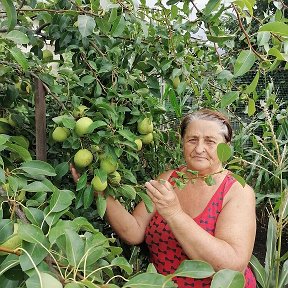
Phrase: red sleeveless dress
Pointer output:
(165, 252)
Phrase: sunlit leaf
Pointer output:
(224, 152)
(74, 247)
(276, 27)
(37, 167)
(150, 280)
(195, 269)
(123, 264)
(244, 62)
(60, 200)
(45, 281)
(127, 191)
(86, 25)
(118, 27)
(228, 279)
(251, 107)
(211, 6)
(17, 37)
(229, 98)
(239, 179)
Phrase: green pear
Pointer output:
(60, 134)
(147, 139)
(98, 185)
(83, 158)
(108, 165)
(82, 125)
(145, 126)
(114, 178)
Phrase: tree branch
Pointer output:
(246, 35)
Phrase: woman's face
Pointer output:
(200, 146)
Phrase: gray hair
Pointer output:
(210, 115)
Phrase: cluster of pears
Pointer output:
(60, 134)
(145, 128)
(84, 158)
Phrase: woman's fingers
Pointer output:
(74, 173)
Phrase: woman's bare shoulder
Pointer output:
(242, 191)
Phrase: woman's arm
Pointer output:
(130, 227)
(232, 245)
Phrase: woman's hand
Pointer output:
(74, 173)
(164, 198)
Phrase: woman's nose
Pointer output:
(200, 147)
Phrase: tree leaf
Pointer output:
(275, 27)
(239, 179)
(228, 279)
(95, 125)
(123, 264)
(22, 152)
(118, 26)
(20, 58)
(211, 6)
(107, 5)
(88, 196)
(209, 180)
(60, 200)
(279, 56)
(34, 215)
(86, 25)
(17, 37)
(37, 186)
(229, 98)
(37, 253)
(127, 191)
(33, 234)
(74, 285)
(147, 201)
(6, 229)
(74, 247)
(82, 182)
(252, 86)
(45, 281)
(251, 107)
(37, 167)
(224, 152)
(171, 2)
(11, 13)
(244, 62)
(151, 280)
(9, 262)
(195, 269)
(220, 39)
(101, 204)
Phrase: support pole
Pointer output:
(40, 121)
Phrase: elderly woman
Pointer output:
(214, 223)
